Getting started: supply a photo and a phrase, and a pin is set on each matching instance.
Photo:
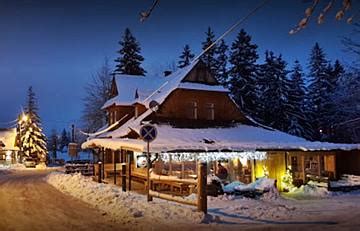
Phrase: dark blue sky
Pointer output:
(56, 46)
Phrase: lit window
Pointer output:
(210, 111)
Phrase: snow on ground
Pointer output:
(317, 208)
(124, 207)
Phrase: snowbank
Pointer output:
(345, 181)
(242, 207)
(124, 207)
(312, 190)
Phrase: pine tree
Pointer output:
(53, 144)
(329, 114)
(97, 93)
(337, 72)
(32, 138)
(298, 123)
(221, 72)
(273, 90)
(64, 140)
(243, 56)
(319, 84)
(209, 57)
(130, 58)
(185, 57)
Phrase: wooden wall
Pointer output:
(178, 106)
(121, 111)
(274, 164)
(348, 162)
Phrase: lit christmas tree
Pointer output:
(32, 138)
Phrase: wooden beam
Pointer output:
(201, 188)
(172, 198)
(156, 177)
(129, 169)
(303, 168)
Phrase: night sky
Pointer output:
(56, 46)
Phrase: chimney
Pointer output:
(167, 73)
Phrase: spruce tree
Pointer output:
(53, 144)
(32, 137)
(209, 57)
(243, 57)
(64, 140)
(130, 59)
(329, 114)
(185, 57)
(298, 123)
(273, 91)
(221, 72)
(319, 84)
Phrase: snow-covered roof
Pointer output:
(173, 82)
(128, 85)
(238, 138)
(8, 138)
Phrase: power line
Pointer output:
(233, 27)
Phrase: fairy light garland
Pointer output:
(211, 156)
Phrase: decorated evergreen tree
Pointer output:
(130, 58)
(221, 73)
(32, 137)
(273, 91)
(243, 56)
(298, 124)
(209, 57)
(185, 57)
(319, 85)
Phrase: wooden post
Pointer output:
(103, 163)
(149, 198)
(114, 162)
(182, 174)
(123, 177)
(129, 170)
(201, 191)
(170, 164)
(303, 168)
(99, 174)
(319, 169)
(254, 170)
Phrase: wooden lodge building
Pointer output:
(197, 120)
(8, 148)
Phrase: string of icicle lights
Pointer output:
(211, 156)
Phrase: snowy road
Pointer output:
(27, 203)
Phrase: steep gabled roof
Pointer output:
(176, 81)
(130, 89)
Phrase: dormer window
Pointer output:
(210, 111)
(193, 110)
